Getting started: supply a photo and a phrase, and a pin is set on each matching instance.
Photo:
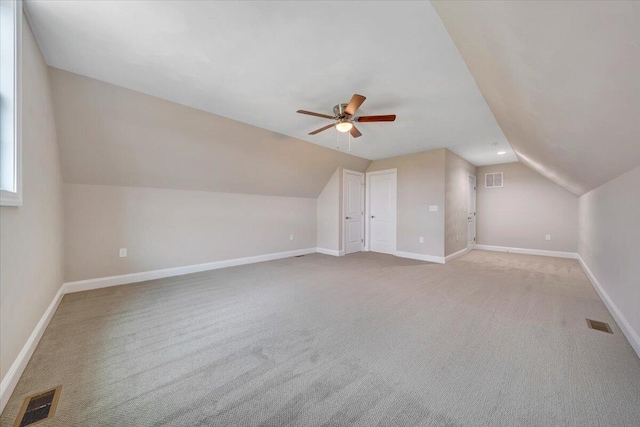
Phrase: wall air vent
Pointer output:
(38, 407)
(493, 180)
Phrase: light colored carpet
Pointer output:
(490, 339)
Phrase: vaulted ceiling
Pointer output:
(559, 82)
(109, 135)
(259, 62)
(562, 79)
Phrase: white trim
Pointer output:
(623, 323)
(12, 377)
(14, 373)
(344, 215)
(456, 255)
(472, 245)
(420, 257)
(14, 198)
(540, 252)
(104, 282)
(367, 209)
(333, 252)
(9, 198)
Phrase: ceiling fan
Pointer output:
(344, 115)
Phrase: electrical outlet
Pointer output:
(421, 239)
(548, 237)
(456, 237)
(123, 252)
(433, 208)
(290, 236)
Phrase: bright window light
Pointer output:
(10, 173)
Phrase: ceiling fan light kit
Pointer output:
(344, 126)
(344, 115)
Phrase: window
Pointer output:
(493, 180)
(10, 144)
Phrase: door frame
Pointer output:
(343, 217)
(367, 200)
(470, 246)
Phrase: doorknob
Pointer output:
(348, 217)
(372, 216)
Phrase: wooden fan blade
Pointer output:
(354, 104)
(387, 118)
(321, 129)
(311, 113)
(355, 132)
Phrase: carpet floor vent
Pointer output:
(599, 326)
(38, 407)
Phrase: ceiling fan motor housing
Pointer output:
(338, 111)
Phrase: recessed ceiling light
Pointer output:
(500, 153)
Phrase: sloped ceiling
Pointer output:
(109, 135)
(259, 61)
(562, 78)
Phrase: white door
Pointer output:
(381, 203)
(471, 213)
(353, 208)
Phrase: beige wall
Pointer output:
(117, 145)
(31, 254)
(525, 210)
(457, 171)
(421, 183)
(110, 135)
(170, 228)
(329, 213)
(609, 242)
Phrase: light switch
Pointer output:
(433, 208)
(548, 237)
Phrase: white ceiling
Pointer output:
(562, 79)
(259, 62)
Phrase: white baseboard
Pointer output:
(420, 257)
(625, 326)
(453, 256)
(540, 252)
(104, 282)
(12, 377)
(14, 373)
(333, 252)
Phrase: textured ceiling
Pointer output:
(259, 62)
(562, 79)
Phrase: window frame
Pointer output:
(8, 197)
